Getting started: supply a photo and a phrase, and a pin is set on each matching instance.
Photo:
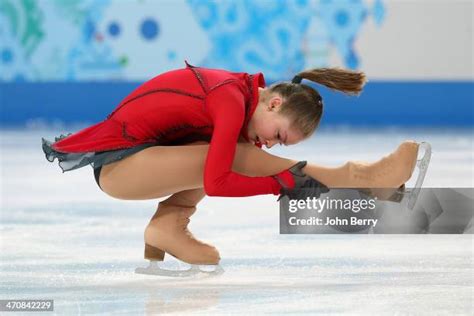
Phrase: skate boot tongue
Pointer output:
(184, 213)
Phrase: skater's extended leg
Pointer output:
(163, 170)
(389, 172)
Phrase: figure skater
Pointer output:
(195, 131)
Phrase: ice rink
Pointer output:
(64, 239)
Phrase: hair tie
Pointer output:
(320, 100)
(297, 79)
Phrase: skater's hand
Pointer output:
(304, 187)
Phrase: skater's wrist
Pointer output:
(285, 180)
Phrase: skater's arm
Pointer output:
(226, 106)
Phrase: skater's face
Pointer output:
(268, 127)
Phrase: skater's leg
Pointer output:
(389, 172)
(332, 177)
(187, 197)
(163, 170)
(164, 230)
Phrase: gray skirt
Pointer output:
(72, 161)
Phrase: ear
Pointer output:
(275, 103)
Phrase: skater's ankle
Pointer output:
(166, 208)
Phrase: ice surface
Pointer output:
(64, 239)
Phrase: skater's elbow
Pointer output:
(211, 189)
(217, 184)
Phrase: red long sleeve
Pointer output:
(226, 107)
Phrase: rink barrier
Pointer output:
(382, 103)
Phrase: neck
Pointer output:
(262, 94)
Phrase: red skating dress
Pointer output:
(177, 107)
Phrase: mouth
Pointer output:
(257, 140)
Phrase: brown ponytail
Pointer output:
(304, 105)
(346, 81)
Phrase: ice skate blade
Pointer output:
(422, 165)
(154, 269)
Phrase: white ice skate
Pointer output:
(422, 165)
(157, 268)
